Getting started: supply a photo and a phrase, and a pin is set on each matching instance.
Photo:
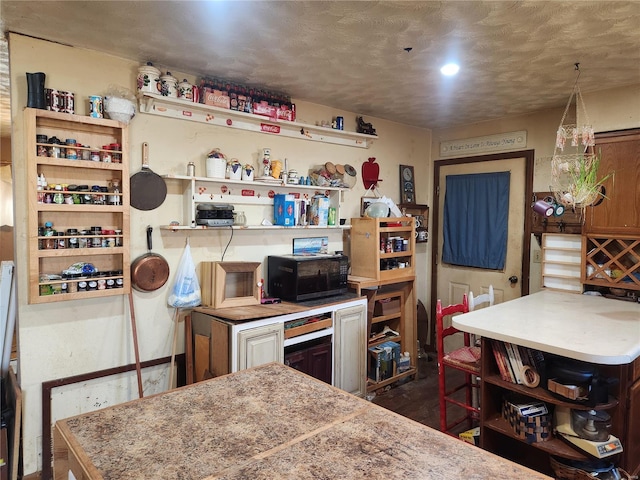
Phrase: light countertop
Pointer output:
(269, 422)
(584, 327)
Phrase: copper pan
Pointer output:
(150, 271)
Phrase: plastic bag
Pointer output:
(186, 289)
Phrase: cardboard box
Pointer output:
(216, 98)
(283, 210)
(319, 211)
(383, 361)
(471, 436)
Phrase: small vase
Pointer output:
(216, 167)
(234, 171)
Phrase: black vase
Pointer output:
(35, 90)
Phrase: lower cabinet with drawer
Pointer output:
(323, 341)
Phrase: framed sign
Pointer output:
(407, 184)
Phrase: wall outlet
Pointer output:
(537, 256)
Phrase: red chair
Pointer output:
(466, 359)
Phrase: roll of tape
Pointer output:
(530, 377)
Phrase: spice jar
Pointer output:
(61, 241)
(72, 153)
(114, 189)
(72, 233)
(94, 155)
(41, 149)
(118, 234)
(116, 153)
(54, 147)
(105, 154)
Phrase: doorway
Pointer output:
(521, 164)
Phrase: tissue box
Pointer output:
(319, 214)
(283, 210)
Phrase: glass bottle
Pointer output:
(114, 189)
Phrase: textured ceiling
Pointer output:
(516, 57)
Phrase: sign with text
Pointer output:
(491, 143)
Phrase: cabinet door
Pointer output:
(319, 362)
(350, 349)
(619, 213)
(260, 345)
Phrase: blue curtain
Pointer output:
(476, 213)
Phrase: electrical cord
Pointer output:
(228, 243)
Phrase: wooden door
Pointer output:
(619, 212)
(319, 362)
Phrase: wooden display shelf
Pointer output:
(554, 446)
(197, 112)
(611, 261)
(544, 395)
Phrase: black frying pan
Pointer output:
(150, 271)
(146, 188)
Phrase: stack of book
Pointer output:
(518, 364)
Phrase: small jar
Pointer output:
(72, 282)
(102, 283)
(72, 153)
(94, 155)
(61, 241)
(72, 233)
(85, 153)
(41, 149)
(54, 147)
(58, 197)
(96, 239)
(119, 279)
(116, 153)
(92, 284)
(82, 286)
(105, 154)
(111, 282)
(82, 239)
(109, 240)
(191, 169)
(118, 234)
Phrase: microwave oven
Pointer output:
(299, 277)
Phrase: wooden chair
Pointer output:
(484, 300)
(465, 359)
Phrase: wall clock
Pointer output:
(407, 184)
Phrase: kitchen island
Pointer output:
(268, 422)
(603, 332)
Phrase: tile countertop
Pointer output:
(583, 327)
(269, 422)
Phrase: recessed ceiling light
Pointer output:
(450, 69)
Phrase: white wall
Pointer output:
(69, 338)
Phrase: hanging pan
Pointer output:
(147, 189)
(150, 271)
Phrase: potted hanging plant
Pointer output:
(583, 186)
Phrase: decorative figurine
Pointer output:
(364, 127)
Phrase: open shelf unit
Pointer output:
(254, 195)
(561, 260)
(198, 112)
(79, 210)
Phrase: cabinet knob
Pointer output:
(513, 279)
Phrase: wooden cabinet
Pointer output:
(619, 212)
(255, 199)
(383, 248)
(221, 346)
(561, 260)
(498, 437)
(75, 199)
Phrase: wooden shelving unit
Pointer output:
(498, 436)
(112, 262)
(367, 257)
(561, 260)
